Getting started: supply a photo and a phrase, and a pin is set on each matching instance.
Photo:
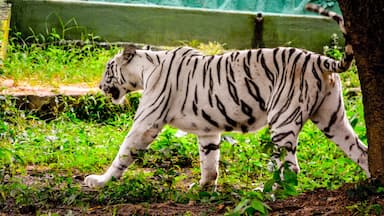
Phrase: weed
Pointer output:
(282, 185)
(98, 108)
(364, 208)
(251, 203)
(169, 150)
(50, 63)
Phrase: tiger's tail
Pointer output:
(346, 62)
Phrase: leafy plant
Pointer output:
(98, 107)
(44, 61)
(282, 185)
(133, 189)
(364, 208)
(334, 49)
(251, 203)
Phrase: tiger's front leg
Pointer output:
(209, 149)
(137, 139)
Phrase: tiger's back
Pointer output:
(239, 90)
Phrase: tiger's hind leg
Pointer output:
(285, 141)
(137, 139)
(331, 119)
(209, 149)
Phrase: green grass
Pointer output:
(39, 158)
(52, 64)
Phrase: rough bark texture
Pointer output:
(364, 21)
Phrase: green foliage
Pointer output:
(364, 208)
(133, 189)
(170, 151)
(361, 193)
(47, 60)
(334, 49)
(46, 194)
(251, 203)
(285, 185)
(98, 107)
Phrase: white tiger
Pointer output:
(237, 91)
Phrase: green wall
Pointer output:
(167, 26)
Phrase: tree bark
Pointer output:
(364, 22)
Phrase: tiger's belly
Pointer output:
(214, 122)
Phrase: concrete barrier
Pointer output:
(158, 25)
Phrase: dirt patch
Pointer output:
(141, 209)
(166, 209)
(350, 199)
(8, 87)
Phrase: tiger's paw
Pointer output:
(95, 181)
(206, 187)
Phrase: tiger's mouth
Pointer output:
(111, 91)
(114, 92)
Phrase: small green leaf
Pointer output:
(258, 206)
(268, 186)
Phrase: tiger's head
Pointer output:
(121, 75)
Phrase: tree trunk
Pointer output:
(364, 22)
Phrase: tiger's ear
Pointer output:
(129, 52)
(147, 47)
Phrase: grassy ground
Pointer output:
(43, 161)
